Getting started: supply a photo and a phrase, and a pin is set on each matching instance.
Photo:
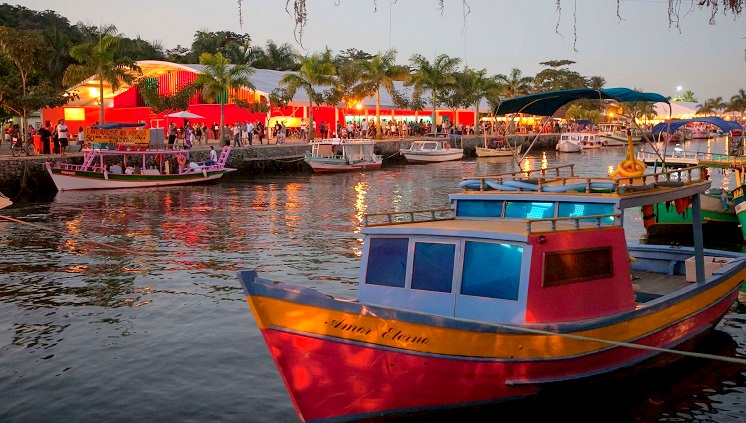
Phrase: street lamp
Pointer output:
(678, 92)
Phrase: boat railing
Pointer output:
(574, 184)
(392, 218)
(542, 173)
(594, 221)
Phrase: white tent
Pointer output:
(679, 110)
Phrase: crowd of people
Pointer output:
(55, 139)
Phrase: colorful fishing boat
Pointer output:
(343, 155)
(432, 150)
(669, 220)
(525, 281)
(121, 166)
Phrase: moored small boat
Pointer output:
(343, 155)
(498, 147)
(575, 142)
(135, 167)
(615, 133)
(431, 150)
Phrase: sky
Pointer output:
(640, 50)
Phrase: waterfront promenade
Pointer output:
(26, 174)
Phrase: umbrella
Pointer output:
(185, 115)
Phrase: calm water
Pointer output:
(159, 330)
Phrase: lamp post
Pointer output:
(678, 93)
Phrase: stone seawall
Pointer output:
(19, 175)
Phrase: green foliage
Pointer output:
(179, 100)
(315, 70)
(219, 77)
(104, 59)
(23, 87)
(435, 77)
(273, 56)
(556, 78)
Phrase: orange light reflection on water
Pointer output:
(361, 188)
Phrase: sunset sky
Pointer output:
(639, 51)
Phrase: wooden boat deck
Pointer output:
(653, 285)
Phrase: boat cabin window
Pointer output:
(432, 269)
(387, 262)
(491, 270)
(429, 146)
(570, 266)
(529, 210)
(586, 209)
(479, 208)
(532, 210)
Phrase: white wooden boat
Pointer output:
(103, 168)
(343, 155)
(434, 150)
(498, 148)
(615, 134)
(574, 142)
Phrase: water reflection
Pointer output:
(171, 313)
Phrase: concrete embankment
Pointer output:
(26, 175)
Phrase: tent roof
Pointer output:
(673, 125)
(264, 80)
(547, 103)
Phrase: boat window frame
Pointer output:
(579, 255)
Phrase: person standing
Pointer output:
(236, 134)
(46, 135)
(250, 132)
(260, 132)
(215, 130)
(198, 133)
(303, 129)
(81, 137)
(171, 135)
(62, 135)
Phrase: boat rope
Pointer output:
(33, 225)
(736, 360)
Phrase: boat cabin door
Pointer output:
(432, 275)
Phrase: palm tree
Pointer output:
(102, 60)
(738, 102)
(381, 71)
(688, 96)
(705, 108)
(219, 77)
(481, 87)
(718, 105)
(597, 82)
(434, 77)
(316, 69)
(515, 84)
(281, 58)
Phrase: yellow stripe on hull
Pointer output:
(422, 338)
